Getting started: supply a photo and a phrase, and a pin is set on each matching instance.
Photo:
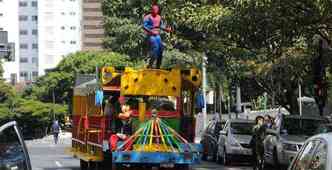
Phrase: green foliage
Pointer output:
(270, 41)
(61, 80)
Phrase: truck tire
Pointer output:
(83, 165)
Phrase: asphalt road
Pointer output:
(45, 155)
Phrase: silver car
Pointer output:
(282, 143)
(316, 154)
(234, 140)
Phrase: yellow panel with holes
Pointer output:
(194, 76)
(151, 82)
(107, 74)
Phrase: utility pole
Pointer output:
(204, 110)
(238, 100)
(300, 99)
(53, 96)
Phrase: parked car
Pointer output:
(283, 142)
(210, 139)
(13, 152)
(235, 140)
(316, 154)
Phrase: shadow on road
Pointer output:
(62, 168)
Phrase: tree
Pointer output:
(268, 34)
(61, 80)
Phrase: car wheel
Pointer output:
(225, 159)
(275, 158)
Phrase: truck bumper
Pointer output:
(133, 157)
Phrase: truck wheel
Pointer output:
(84, 165)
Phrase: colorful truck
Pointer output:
(161, 104)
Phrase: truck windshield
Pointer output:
(243, 128)
(297, 126)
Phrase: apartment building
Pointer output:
(9, 21)
(28, 40)
(92, 25)
(59, 29)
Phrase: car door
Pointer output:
(13, 152)
(313, 156)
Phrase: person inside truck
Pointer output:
(125, 131)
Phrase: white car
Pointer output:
(234, 140)
(316, 154)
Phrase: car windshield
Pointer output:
(297, 126)
(243, 128)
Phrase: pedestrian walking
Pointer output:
(257, 144)
(56, 130)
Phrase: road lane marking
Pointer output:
(58, 164)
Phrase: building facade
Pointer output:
(59, 31)
(9, 21)
(92, 25)
(45, 31)
(28, 40)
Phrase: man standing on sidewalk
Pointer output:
(56, 130)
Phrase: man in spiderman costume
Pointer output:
(153, 24)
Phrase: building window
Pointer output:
(23, 4)
(63, 27)
(23, 46)
(1, 29)
(24, 60)
(23, 32)
(1, 14)
(73, 28)
(35, 74)
(72, 0)
(34, 18)
(72, 13)
(34, 46)
(24, 75)
(34, 3)
(34, 32)
(72, 42)
(34, 60)
(23, 18)
(62, 13)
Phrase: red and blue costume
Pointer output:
(153, 25)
